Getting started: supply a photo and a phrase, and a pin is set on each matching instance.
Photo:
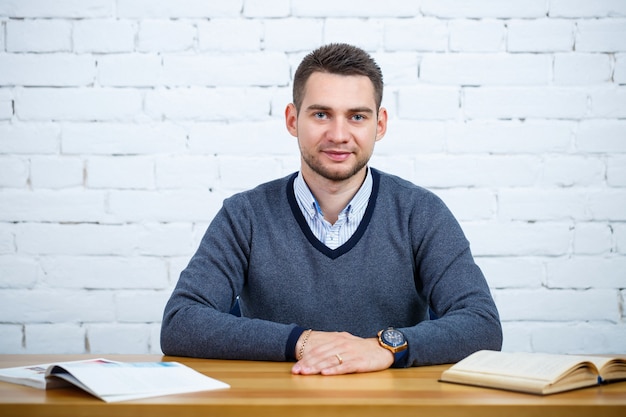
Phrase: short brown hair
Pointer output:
(337, 58)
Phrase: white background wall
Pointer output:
(125, 123)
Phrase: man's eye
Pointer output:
(358, 117)
(319, 115)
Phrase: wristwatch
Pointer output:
(394, 341)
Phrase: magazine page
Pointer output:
(35, 375)
(124, 381)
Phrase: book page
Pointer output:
(540, 366)
(611, 367)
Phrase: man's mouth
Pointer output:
(338, 156)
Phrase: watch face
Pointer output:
(392, 337)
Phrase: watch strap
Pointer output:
(399, 358)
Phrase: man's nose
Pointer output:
(339, 130)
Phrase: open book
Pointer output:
(114, 381)
(535, 373)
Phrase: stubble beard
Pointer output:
(333, 174)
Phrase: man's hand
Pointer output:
(331, 353)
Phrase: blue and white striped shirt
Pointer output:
(333, 235)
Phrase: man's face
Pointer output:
(337, 125)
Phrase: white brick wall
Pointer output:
(125, 123)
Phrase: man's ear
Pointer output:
(381, 123)
(291, 119)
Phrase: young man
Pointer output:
(337, 265)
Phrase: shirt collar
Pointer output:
(309, 205)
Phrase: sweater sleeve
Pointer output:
(197, 322)
(456, 291)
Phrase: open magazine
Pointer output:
(114, 381)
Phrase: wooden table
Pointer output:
(268, 389)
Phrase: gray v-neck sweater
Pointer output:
(407, 254)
